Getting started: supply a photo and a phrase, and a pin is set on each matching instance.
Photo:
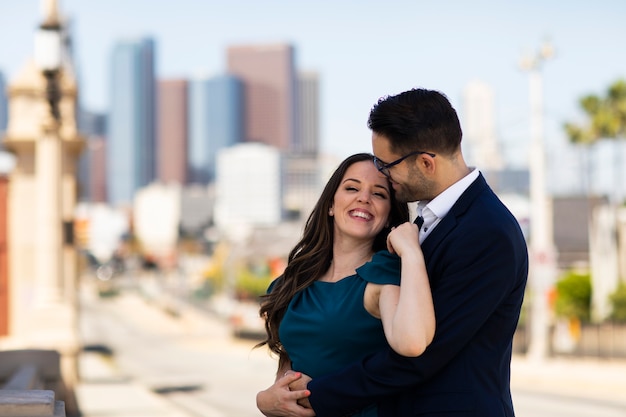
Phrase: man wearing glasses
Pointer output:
(477, 262)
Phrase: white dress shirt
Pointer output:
(434, 210)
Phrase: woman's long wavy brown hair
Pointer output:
(312, 255)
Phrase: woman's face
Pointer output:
(362, 202)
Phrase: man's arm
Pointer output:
(466, 291)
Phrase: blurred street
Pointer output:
(175, 364)
(142, 359)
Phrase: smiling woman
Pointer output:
(341, 296)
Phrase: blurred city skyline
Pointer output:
(362, 50)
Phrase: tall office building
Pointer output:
(255, 168)
(479, 127)
(269, 79)
(216, 110)
(198, 132)
(92, 160)
(4, 113)
(172, 131)
(131, 150)
(307, 138)
(226, 115)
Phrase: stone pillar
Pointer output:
(48, 259)
(43, 279)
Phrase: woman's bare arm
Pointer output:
(407, 312)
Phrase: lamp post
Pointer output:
(48, 156)
(542, 250)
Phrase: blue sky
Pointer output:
(362, 50)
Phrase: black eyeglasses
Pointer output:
(384, 168)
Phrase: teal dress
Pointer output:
(326, 326)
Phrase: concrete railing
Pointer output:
(28, 380)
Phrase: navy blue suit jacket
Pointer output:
(477, 262)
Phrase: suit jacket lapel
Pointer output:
(449, 222)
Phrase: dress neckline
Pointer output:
(336, 282)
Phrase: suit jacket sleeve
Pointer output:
(475, 261)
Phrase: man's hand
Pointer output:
(279, 401)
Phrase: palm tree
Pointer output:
(606, 119)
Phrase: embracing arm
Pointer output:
(473, 277)
(407, 311)
(278, 400)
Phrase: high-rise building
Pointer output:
(307, 138)
(3, 105)
(131, 149)
(172, 131)
(226, 115)
(269, 80)
(196, 210)
(479, 127)
(98, 169)
(216, 110)
(198, 132)
(302, 185)
(92, 161)
(255, 168)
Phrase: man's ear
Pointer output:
(428, 163)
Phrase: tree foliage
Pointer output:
(573, 296)
(618, 302)
(606, 116)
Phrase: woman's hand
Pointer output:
(279, 401)
(404, 239)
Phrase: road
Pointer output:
(191, 360)
(536, 404)
(194, 364)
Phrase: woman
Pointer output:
(340, 295)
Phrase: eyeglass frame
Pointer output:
(383, 168)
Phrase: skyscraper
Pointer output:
(131, 142)
(226, 115)
(198, 131)
(307, 137)
(480, 127)
(255, 168)
(92, 161)
(216, 111)
(3, 105)
(269, 79)
(172, 131)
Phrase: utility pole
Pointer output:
(542, 249)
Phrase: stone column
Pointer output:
(48, 260)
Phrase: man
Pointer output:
(477, 262)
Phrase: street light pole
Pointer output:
(48, 157)
(542, 250)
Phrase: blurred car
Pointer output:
(246, 321)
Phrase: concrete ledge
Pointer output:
(26, 377)
(30, 403)
(46, 361)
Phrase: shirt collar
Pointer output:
(441, 205)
